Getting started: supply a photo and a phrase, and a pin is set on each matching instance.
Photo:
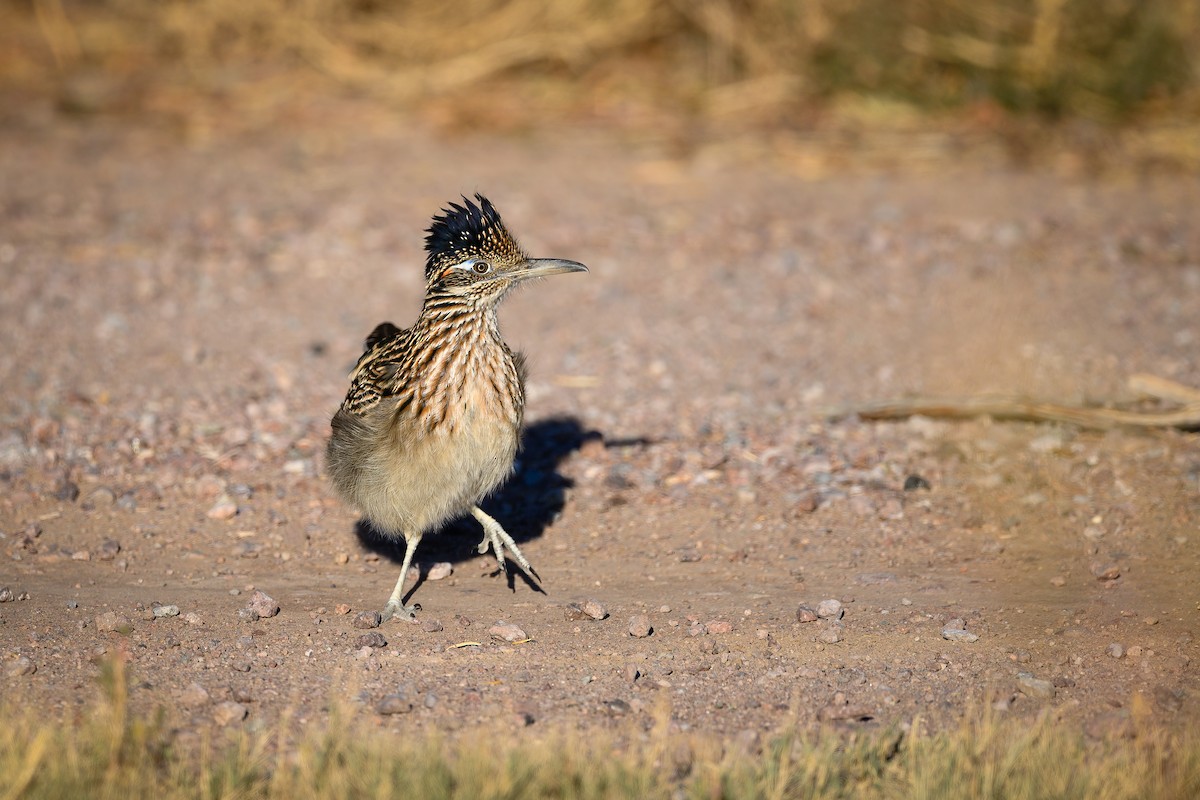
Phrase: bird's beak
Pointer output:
(543, 267)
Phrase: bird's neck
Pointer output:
(463, 361)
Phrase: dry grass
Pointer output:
(764, 59)
(114, 755)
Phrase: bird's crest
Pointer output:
(466, 230)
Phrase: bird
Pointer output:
(432, 420)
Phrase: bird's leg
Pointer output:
(395, 605)
(499, 540)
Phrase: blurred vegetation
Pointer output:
(722, 63)
(114, 754)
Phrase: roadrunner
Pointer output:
(432, 421)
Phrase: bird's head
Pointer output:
(471, 253)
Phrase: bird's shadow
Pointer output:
(525, 505)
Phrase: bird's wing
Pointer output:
(372, 377)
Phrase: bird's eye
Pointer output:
(482, 267)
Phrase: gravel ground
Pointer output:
(178, 322)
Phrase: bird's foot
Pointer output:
(496, 538)
(395, 608)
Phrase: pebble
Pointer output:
(21, 666)
(507, 631)
(1106, 572)
(394, 704)
(229, 712)
(341, 609)
(440, 571)
(195, 696)
(108, 550)
(1058, 580)
(594, 609)
(830, 635)
(165, 611)
(430, 625)
(697, 629)
(1035, 687)
(224, 508)
(719, 626)
(372, 639)
(262, 604)
(192, 618)
(1116, 650)
(617, 707)
(959, 635)
(914, 482)
(806, 614)
(111, 621)
(640, 627)
(367, 619)
(830, 609)
(67, 490)
(6, 595)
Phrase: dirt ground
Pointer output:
(178, 321)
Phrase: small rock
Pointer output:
(1116, 650)
(507, 631)
(806, 614)
(263, 604)
(81, 555)
(224, 508)
(719, 626)
(830, 609)
(806, 502)
(67, 491)
(195, 696)
(632, 673)
(341, 558)
(229, 712)
(372, 639)
(430, 625)
(1106, 572)
(1035, 687)
(958, 635)
(830, 635)
(21, 666)
(640, 627)
(165, 611)
(341, 609)
(697, 629)
(914, 482)
(617, 707)
(440, 571)
(6, 595)
(111, 621)
(956, 624)
(1058, 580)
(108, 550)
(367, 619)
(844, 711)
(248, 615)
(192, 618)
(102, 497)
(394, 704)
(594, 609)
